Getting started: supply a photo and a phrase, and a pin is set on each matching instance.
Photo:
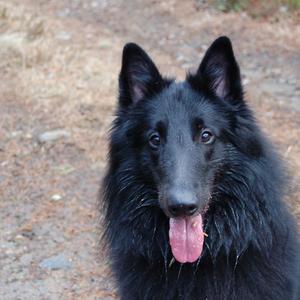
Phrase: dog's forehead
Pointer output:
(179, 103)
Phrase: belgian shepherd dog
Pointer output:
(193, 191)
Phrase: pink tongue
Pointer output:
(186, 238)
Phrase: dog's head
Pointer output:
(184, 135)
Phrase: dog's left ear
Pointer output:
(219, 72)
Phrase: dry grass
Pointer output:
(64, 82)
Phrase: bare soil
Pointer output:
(59, 62)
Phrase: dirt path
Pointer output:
(59, 62)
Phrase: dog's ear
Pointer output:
(219, 72)
(139, 77)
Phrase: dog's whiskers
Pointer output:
(171, 262)
(179, 272)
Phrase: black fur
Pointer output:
(251, 251)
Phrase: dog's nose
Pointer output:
(182, 204)
(181, 210)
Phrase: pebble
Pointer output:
(94, 4)
(4, 163)
(50, 136)
(283, 9)
(56, 197)
(104, 44)
(19, 237)
(64, 36)
(55, 263)
(64, 13)
(26, 259)
(246, 81)
(15, 134)
(180, 58)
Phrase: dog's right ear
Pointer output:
(139, 78)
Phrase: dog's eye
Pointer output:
(206, 137)
(154, 141)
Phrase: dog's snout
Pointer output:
(181, 204)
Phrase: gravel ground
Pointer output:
(59, 62)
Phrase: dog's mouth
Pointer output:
(186, 238)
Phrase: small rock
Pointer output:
(104, 44)
(276, 71)
(15, 134)
(180, 58)
(99, 3)
(94, 4)
(89, 35)
(283, 9)
(26, 259)
(55, 263)
(64, 13)
(293, 81)
(4, 163)
(63, 35)
(56, 197)
(19, 237)
(187, 65)
(28, 136)
(50, 136)
(171, 36)
(282, 80)
(246, 81)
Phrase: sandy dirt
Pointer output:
(59, 62)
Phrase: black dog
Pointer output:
(193, 194)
